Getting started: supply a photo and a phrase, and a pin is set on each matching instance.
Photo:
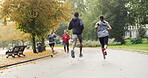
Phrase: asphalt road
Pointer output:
(119, 64)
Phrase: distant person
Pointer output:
(102, 28)
(65, 38)
(51, 36)
(77, 27)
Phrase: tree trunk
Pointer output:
(3, 44)
(33, 43)
(130, 32)
(122, 41)
(43, 44)
(33, 35)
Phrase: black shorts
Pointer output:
(51, 45)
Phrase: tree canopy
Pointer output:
(9, 33)
(36, 17)
(119, 13)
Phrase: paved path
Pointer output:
(119, 64)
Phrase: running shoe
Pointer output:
(105, 53)
(72, 54)
(81, 55)
(51, 55)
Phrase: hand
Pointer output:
(108, 28)
(96, 26)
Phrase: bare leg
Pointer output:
(52, 48)
(74, 43)
(73, 47)
(80, 40)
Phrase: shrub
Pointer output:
(136, 40)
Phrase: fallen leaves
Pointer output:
(29, 55)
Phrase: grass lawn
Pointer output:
(132, 46)
(59, 45)
(128, 45)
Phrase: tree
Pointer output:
(115, 13)
(85, 10)
(141, 32)
(9, 33)
(118, 19)
(137, 12)
(62, 27)
(36, 16)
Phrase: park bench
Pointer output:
(16, 51)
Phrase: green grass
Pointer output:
(128, 45)
(132, 46)
(59, 45)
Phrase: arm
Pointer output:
(70, 26)
(48, 36)
(55, 36)
(96, 27)
(109, 27)
(68, 37)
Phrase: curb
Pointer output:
(26, 61)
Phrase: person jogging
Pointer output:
(102, 28)
(77, 27)
(65, 38)
(51, 36)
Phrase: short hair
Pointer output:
(102, 17)
(76, 14)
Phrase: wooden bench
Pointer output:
(16, 51)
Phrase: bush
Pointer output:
(136, 40)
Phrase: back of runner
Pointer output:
(102, 28)
(77, 27)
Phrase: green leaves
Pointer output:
(114, 11)
(36, 17)
(138, 12)
(32, 15)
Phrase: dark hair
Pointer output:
(102, 17)
(76, 14)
